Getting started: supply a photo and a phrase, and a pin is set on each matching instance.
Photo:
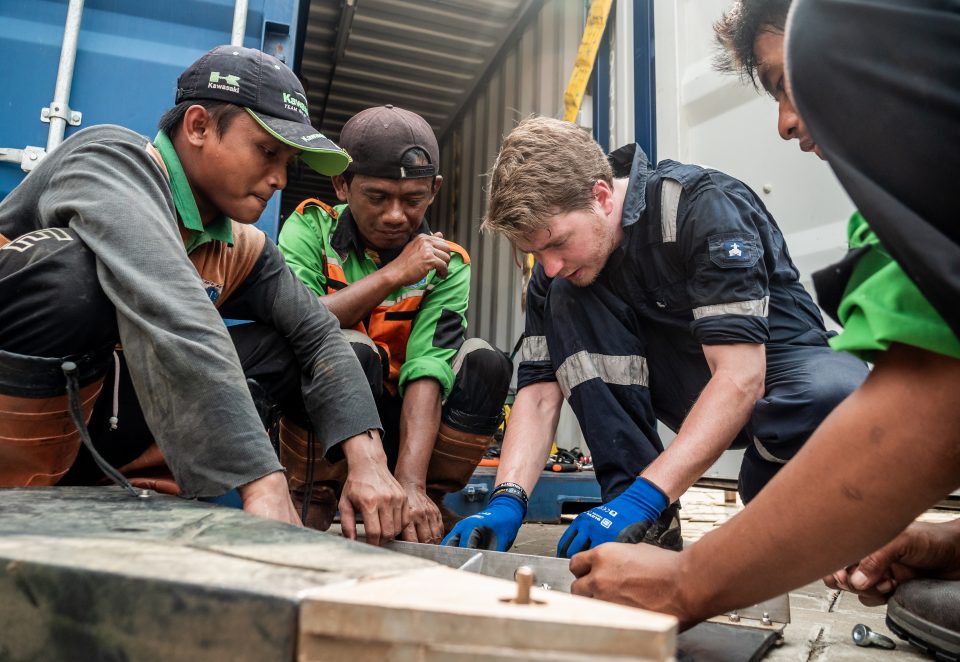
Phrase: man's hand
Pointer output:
(624, 519)
(423, 253)
(922, 550)
(371, 489)
(423, 516)
(269, 497)
(495, 527)
(636, 575)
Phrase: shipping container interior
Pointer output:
(472, 69)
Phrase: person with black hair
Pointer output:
(400, 292)
(114, 238)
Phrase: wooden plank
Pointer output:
(434, 613)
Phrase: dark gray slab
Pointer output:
(91, 573)
(714, 642)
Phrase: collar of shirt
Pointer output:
(220, 229)
(346, 238)
(631, 161)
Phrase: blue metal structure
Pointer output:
(129, 55)
(601, 93)
(645, 78)
(554, 494)
(644, 83)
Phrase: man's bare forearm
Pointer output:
(888, 452)
(721, 411)
(419, 422)
(529, 434)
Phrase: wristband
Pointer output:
(513, 489)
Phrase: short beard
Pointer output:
(604, 245)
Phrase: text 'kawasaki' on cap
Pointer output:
(270, 92)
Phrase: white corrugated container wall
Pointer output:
(529, 79)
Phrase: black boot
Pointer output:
(665, 532)
(926, 612)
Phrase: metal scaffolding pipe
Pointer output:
(239, 23)
(59, 109)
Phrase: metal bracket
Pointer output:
(28, 158)
(475, 492)
(774, 614)
(64, 112)
(32, 155)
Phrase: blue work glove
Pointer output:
(495, 527)
(625, 519)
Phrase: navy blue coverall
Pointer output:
(702, 262)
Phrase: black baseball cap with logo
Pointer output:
(378, 137)
(267, 89)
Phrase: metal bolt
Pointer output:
(734, 617)
(143, 494)
(767, 188)
(865, 637)
(524, 576)
(766, 619)
(75, 117)
(33, 156)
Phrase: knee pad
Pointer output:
(371, 360)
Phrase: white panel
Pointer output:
(622, 128)
(713, 119)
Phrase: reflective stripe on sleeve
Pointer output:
(765, 454)
(409, 294)
(757, 308)
(583, 366)
(534, 348)
(670, 191)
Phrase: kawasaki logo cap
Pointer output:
(377, 138)
(270, 92)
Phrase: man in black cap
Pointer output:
(114, 238)
(401, 293)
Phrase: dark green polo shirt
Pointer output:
(219, 229)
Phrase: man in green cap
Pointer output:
(116, 239)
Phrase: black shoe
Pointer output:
(447, 516)
(665, 532)
(926, 612)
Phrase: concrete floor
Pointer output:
(821, 618)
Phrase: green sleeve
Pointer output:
(882, 306)
(439, 328)
(303, 249)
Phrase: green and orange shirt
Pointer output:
(418, 328)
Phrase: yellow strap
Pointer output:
(587, 53)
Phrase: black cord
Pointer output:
(308, 485)
(76, 413)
